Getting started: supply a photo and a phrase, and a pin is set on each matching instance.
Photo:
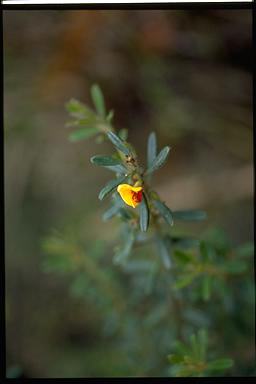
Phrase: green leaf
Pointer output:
(112, 184)
(110, 116)
(104, 161)
(139, 266)
(159, 160)
(125, 214)
(117, 168)
(206, 287)
(85, 122)
(82, 134)
(112, 211)
(195, 346)
(203, 342)
(164, 211)
(121, 256)
(123, 134)
(144, 214)
(152, 148)
(189, 215)
(164, 251)
(98, 100)
(120, 144)
(182, 257)
(220, 364)
(185, 280)
(79, 110)
(175, 359)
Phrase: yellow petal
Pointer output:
(126, 192)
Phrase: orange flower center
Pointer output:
(137, 196)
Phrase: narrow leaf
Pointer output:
(138, 266)
(203, 341)
(164, 252)
(85, 122)
(122, 255)
(144, 214)
(152, 148)
(164, 211)
(82, 134)
(206, 288)
(195, 345)
(189, 215)
(185, 280)
(110, 116)
(112, 184)
(159, 160)
(118, 143)
(98, 100)
(79, 110)
(125, 214)
(221, 364)
(117, 168)
(104, 161)
(112, 211)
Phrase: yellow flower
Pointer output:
(130, 195)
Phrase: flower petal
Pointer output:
(131, 195)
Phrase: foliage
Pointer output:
(192, 360)
(125, 164)
(149, 299)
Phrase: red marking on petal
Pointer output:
(137, 196)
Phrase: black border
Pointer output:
(2, 258)
(142, 6)
(100, 6)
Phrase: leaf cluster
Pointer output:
(152, 213)
(192, 360)
(148, 299)
(210, 265)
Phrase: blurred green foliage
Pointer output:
(145, 307)
(150, 293)
(191, 361)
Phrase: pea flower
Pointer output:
(130, 195)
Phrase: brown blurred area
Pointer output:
(187, 75)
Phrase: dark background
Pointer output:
(186, 75)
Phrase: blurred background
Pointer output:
(186, 75)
